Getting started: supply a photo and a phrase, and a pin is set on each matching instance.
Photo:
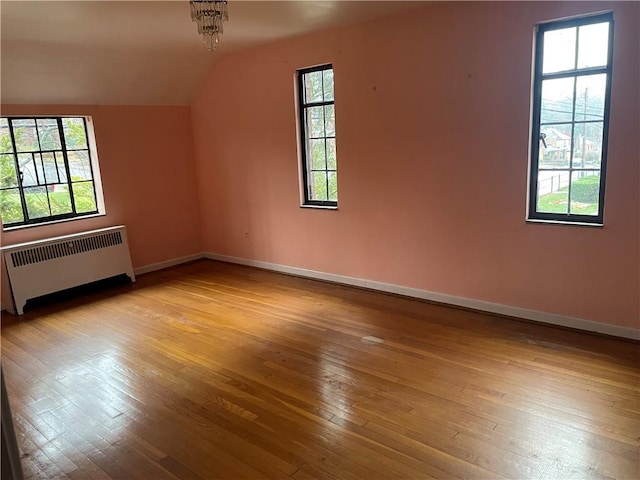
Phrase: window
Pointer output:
(318, 136)
(48, 170)
(570, 119)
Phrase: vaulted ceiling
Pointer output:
(142, 52)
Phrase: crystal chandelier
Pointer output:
(210, 16)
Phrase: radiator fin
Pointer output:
(65, 248)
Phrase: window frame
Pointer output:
(307, 201)
(568, 218)
(63, 150)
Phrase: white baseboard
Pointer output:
(169, 263)
(158, 266)
(518, 312)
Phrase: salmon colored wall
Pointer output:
(148, 177)
(432, 121)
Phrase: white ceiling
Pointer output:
(143, 52)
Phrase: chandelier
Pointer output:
(210, 16)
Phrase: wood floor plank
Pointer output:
(211, 370)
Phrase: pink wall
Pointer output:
(432, 123)
(148, 177)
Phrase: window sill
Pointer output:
(320, 207)
(54, 222)
(561, 222)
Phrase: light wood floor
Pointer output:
(211, 370)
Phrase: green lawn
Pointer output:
(557, 203)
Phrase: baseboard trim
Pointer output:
(497, 308)
(157, 266)
(169, 263)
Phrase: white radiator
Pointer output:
(47, 266)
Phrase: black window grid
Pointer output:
(537, 125)
(306, 137)
(44, 183)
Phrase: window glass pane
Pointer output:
(317, 153)
(590, 93)
(79, 165)
(318, 186)
(331, 153)
(10, 206)
(74, 133)
(553, 192)
(593, 45)
(37, 202)
(5, 137)
(333, 186)
(559, 50)
(328, 84)
(585, 192)
(8, 174)
(315, 122)
(330, 120)
(25, 135)
(60, 199)
(39, 168)
(50, 168)
(84, 196)
(49, 134)
(62, 171)
(557, 100)
(313, 87)
(28, 169)
(587, 145)
(555, 146)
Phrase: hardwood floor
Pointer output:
(211, 370)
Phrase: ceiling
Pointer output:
(142, 52)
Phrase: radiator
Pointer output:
(46, 266)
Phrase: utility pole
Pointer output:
(584, 128)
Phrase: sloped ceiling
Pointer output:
(143, 52)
